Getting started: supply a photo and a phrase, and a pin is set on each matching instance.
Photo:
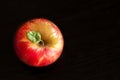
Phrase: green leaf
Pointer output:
(34, 36)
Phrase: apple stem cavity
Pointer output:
(35, 37)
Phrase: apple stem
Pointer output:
(41, 43)
(35, 37)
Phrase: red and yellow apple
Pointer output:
(38, 42)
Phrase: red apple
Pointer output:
(38, 42)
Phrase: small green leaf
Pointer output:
(34, 36)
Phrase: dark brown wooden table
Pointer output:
(91, 30)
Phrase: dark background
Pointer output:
(91, 33)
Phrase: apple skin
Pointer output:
(36, 54)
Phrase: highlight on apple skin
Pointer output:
(38, 42)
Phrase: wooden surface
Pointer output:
(91, 30)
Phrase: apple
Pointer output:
(38, 42)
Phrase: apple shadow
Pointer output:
(51, 69)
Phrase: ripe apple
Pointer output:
(38, 42)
